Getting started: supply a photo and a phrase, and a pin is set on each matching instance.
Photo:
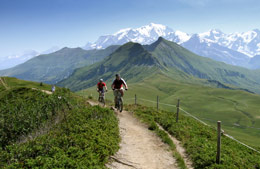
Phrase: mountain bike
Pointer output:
(119, 100)
(101, 98)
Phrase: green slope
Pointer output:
(131, 60)
(170, 58)
(51, 68)
(238, 110)
(12, 82)
(199, 141)
(174, 56)
(24, 107)
(169, 71)
(58, 130)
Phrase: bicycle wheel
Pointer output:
(103, 101)
(120, 105)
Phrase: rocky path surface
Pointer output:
(141, 148)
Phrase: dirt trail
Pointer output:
(45, 91)
(4, 84)
(180, 149)
(139, 147)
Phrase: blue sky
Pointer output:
(41, 24)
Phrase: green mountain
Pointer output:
(51, 68)
(135, 62)
(169, 71)
(131, 60)
(173, 56)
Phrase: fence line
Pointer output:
(241, 143)
(202, 123)
(194, 117)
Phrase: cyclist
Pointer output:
(118, 84)
(100, 87)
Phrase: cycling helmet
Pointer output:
(101, 80)
(117, 75)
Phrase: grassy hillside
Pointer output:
(59, 130)
(200, 141)
(174, 56)
(51, 68)
(12, 82)
(135, 62)
(24, 107)
(85, 138)
(130, 60)
(238, 110)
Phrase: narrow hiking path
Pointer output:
(45, 91)
(139, 147)
(4, 84)
(179, 148)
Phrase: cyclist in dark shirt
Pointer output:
(118, 84)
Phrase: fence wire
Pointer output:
(189, 114)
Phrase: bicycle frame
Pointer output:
(119, 101)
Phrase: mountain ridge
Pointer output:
(235, 45)
(51, 68)
(165, 57)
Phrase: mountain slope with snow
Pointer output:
(143, 35)
(247, 43)
(235, 48)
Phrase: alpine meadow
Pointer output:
(130, 84)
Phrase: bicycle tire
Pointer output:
(121, 105)
(103, 101)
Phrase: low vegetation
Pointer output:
(84, 136)
(200, 141)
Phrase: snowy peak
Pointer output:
(212, 43)
(154, 30)
(145, 35)
(213, 35)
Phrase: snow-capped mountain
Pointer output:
(144, 35)
(234, 48)
(16, 59)
(247, 43)
(215, 51)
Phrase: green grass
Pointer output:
(12, 82)
(238, 110)
(23, 110)
(67, 132)
(200, 141)
(85, 138)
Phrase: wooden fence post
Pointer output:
(135, 99)
(218, 143)
(157, 103)
(178, 109)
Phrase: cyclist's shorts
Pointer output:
(101, 90)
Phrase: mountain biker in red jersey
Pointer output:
(100, 86)
(118, 84)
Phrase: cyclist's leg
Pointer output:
(99, 96)
(103, 96)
